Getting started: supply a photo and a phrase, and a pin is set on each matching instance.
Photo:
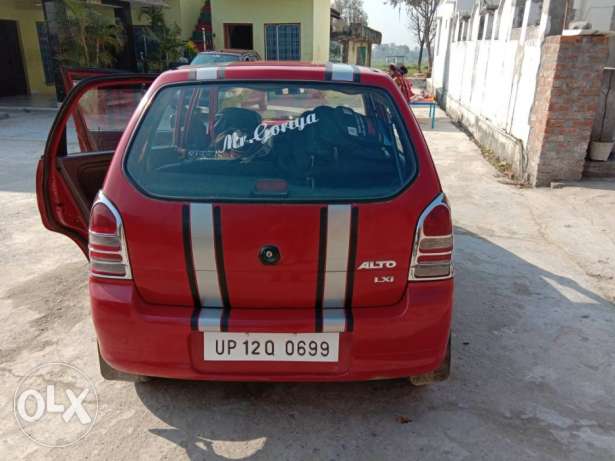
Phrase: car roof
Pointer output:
(279, 71)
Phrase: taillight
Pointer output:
(107, 246)
(432, 255)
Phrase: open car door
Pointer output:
(79, 149)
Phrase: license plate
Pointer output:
(279, 347)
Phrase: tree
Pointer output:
(203, 32)
(422, 21)
(168, 46)
(88, 37)
(351, 11)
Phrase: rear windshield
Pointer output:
(214, 58)
(271, 141)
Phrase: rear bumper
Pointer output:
(406, 339)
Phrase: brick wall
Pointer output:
(567, 93)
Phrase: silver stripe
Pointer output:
(342, 72)
(204, 254)
(333, 320)
(336, 262)
(207, 73)
(210, 319)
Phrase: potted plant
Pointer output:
(600, 149)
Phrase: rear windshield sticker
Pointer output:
(264, 132)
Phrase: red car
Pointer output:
(305, 241)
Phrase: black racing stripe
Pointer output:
(190, 267)
(220, 73)
(352, 258)
(356, 74)
(226, 312)
(322, 259)
(328, 72)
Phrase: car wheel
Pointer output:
(439, 374)
(111, 374)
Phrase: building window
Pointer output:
(464, 25)
(601, 15)
(361, 55)
(336, 51)
(489, 25)
(496, 33)
(535, 13)
(518, 14)
(453, 33)
(238, 36)
(481, 26)
(283, 42)
(462, 29)
(43, 44)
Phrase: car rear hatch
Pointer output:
(291, 195)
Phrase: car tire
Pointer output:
(439, 374)
(111, 374)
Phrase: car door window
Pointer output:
(98, 120)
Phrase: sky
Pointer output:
(390, 21)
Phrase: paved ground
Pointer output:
(534, 339)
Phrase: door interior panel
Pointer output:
(85, 174)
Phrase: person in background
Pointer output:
(404, 85)
(393, 70)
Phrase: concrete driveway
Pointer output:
(534, 339)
